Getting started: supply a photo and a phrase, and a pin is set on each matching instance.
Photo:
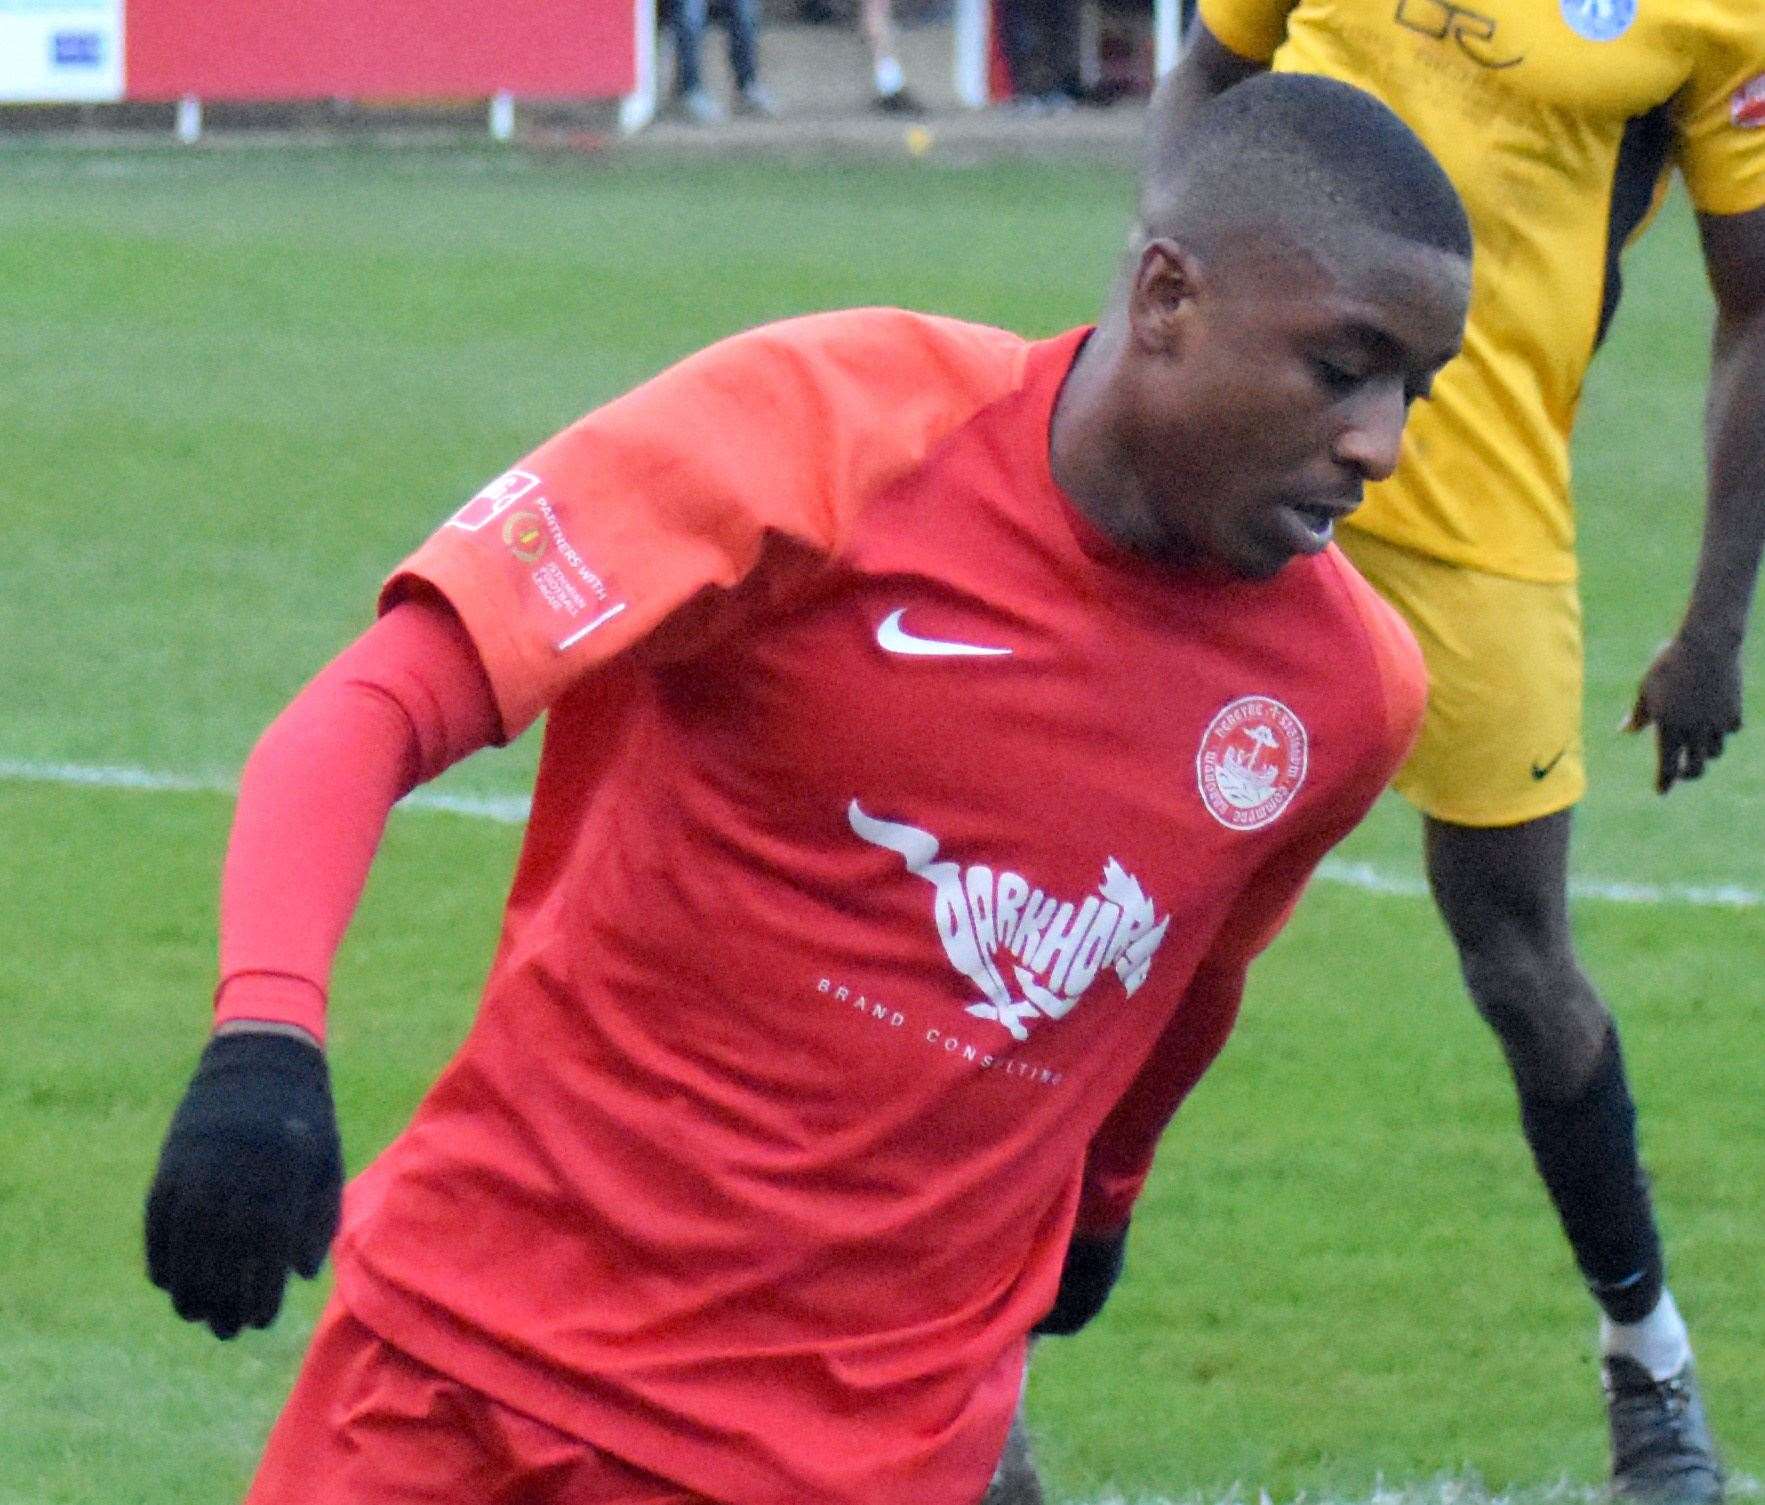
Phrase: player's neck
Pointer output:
(1085, 455)
(1088, 454)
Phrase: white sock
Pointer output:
(1659, 1342)
(888, 76)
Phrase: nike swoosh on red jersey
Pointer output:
(894, 638)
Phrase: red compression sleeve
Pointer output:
(406, 700)
(1120, 1156)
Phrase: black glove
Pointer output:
(250, 1181)
(1093, 1265)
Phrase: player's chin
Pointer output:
(1291, 533)
(1263, 558)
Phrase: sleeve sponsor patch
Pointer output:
(1746, 106)
(583, 597)
(512, 515)
(494, 500)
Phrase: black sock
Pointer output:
(1585, 1150)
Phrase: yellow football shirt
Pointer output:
(1559, 121)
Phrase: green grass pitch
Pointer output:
(240, 384)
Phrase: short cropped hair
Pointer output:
(1320, 161)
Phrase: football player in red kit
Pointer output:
(939, 724)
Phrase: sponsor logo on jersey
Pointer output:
(1543, 770)
(991, 923)
(525, 536)
(983, 1053)
(892, 637)
(494, 500)
(1746, 106)
(1470, 30)
(1251, 762)
(1599, 20)
(534, 534)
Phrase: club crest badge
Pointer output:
(1746, 106)
(524, 534)
(1599, 20)
(1251, 763)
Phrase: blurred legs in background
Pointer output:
(890, 92)
(1041, 43)
(742, 17)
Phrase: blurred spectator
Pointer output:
(1041, 44)
(691, 99)
(890, 92)
(1058, 57)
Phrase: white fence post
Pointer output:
(502, 116)
(189, 126)
(638, 108)
(1167, 35)
(973, 28)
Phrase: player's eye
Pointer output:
(1335, 377)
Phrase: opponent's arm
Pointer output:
(249, 1182)
(1208, 67)
(1691, 693)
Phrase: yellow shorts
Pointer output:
(1502, 740)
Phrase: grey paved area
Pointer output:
(820, 78)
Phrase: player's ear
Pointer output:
(1167, 278)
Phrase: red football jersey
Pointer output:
(891, 830)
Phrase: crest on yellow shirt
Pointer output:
(1746, 107)
(1599, 20)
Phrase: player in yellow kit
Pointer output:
(1559, 122)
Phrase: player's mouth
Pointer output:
(1311, 524)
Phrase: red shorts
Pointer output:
(369, 1425)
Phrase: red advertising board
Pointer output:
(305, 49)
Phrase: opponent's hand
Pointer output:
(1691, 695)
(1093, 1265)
(250, 1181)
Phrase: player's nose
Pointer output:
(1371, 442)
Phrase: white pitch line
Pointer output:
(1447, 1489)
(1610, 891)
(505, 809)
(512, 810)
(107, 776)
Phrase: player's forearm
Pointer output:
(1121, 1152)
(313, 802)
(267, 1027)
(1734, 520)
(396, 708)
